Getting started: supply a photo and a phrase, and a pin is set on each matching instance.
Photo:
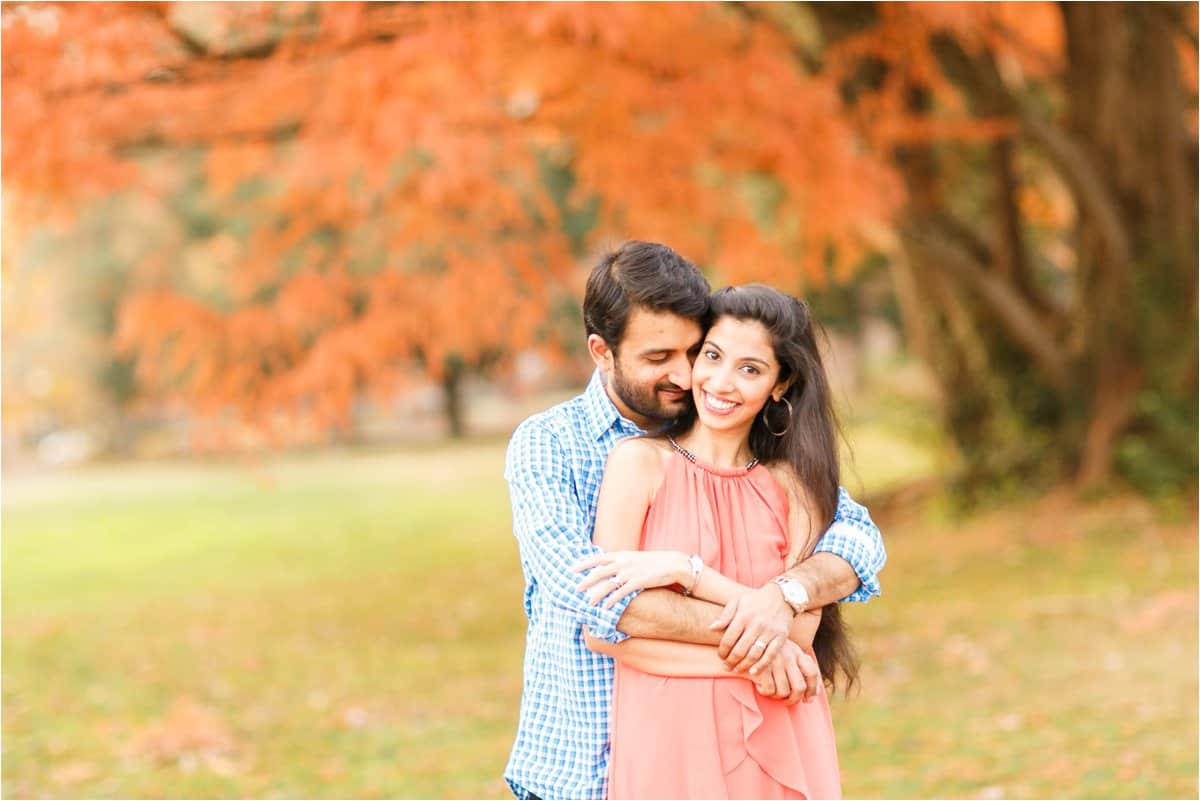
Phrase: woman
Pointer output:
(746, 484)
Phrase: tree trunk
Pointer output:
(452, 390)
(1127, 108)
(1096, 371)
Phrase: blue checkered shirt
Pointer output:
(554, 465)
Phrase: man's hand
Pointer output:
(756, 627)
(793, 676)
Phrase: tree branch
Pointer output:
(1073, 163)
(1020, 320)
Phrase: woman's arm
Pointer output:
(664, 657)
(785, 680)
(631, 477)
(719, 589)
(804, 628)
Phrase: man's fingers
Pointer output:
(750, 637)
(733, 635)
(733, 629)
(772, 650)
(757, 646)
(726, 616)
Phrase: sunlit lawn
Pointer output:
(350, 625)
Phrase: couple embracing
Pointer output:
(684, 541)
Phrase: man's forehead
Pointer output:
(649, 330)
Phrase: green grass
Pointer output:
(349, 625)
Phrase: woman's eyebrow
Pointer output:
(715, 346)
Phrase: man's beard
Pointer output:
(646, 401)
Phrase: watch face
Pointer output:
(793, 592)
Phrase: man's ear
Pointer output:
(601, 353)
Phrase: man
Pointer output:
(644, 308)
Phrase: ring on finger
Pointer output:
(760, 643)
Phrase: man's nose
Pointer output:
(681, 373)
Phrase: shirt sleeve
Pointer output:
(855, 538)
(553, 527)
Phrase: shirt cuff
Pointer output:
(868, 580)
(601, 623)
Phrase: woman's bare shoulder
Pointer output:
(640, 451)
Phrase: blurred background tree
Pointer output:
(360, 190)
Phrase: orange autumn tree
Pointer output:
(416, 184)
(396, 164)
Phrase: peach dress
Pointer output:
(717, 738)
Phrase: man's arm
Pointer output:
(793, 676)
(631, 474)
(552, 526)
(666, 615)
(854, 539)
(844, 566)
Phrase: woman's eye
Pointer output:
(749, 370)
(711, 355)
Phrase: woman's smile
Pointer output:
(718, 405)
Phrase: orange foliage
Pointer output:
(403, 146)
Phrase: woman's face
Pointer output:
(735, 373)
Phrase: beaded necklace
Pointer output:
(691, 457)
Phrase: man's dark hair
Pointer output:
(643, 274)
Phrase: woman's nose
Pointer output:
(722, 379)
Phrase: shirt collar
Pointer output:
(599, 411)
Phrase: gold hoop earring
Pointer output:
(767, 425)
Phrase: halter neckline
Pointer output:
(712, 468)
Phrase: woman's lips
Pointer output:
(724, 407)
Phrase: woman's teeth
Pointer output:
(718, 404)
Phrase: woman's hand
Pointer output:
(618, 573)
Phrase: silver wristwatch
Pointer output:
(793, 593)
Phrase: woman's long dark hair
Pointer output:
(809, 442)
